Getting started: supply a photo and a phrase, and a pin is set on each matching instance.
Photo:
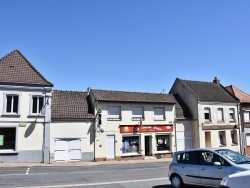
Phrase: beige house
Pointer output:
(214, 112)
(132, 125)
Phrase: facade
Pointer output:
(244, 100)
(72, 127)
(184, 126)
(25, 98)
(131, 125)
(214, 112)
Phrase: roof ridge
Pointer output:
(69, 91)
(131, 92)
(197, 81)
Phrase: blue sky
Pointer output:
(130, 45)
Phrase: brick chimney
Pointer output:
(216, 80)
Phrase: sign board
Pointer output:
(22, 124)
(145, 128)
(1, 140)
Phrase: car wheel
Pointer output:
(176, 181)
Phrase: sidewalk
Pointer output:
(89, 163)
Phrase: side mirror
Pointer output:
(217, 164)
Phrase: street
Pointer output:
(146, 175)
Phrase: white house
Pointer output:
(25, 98)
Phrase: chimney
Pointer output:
(88, 90)
(216, 80)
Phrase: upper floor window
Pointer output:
(37, 103)
(11, 104)
(137, 113)
(220, 114)
(207, 114)
(246, 117)
(231, 114)
(114, 113)
(159, 113)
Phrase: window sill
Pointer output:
(130, 154)
(11, 115)
(220, 122)
(222, 145)
(35, 115)
(234, 144)
(208, 122)
(164, 151)
(137, 119)
(114, 119)
(159, 119)
(8, 151)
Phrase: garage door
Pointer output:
(184, 140)
(68, 150)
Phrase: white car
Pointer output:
(237, 180)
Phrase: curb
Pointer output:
(89, 163)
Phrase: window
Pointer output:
(162, 142)
(208, 158)
(11, 104)
(246, 117)
(130, 144)
(207, 114)
(114, 113)
(231, 114)
(222, 137)
(159, 113)
(137, 113)
(234, 136)
(187, 158)
(37, 104)
(8, 136)
(220, 114)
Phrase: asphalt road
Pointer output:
(144, 175)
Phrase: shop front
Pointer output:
(146, 140)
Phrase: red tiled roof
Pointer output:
(241, 95)
(16, 69)
(125, 96)
(70, 105)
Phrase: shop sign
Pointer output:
(145, 128)
(1, 140)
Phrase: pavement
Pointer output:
(85, 163)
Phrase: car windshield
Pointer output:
(234, 156)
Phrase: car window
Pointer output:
(208, 158)
(187, 157)
(234, 156)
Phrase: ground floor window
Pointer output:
(7, 138)
(130, 144)
(162, 142)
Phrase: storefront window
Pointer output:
(162, 142)
(130, 144)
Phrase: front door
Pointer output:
(110, 147)
(148, 146)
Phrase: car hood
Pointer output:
(244, 166)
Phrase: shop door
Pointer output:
(248, 143)
(68, 150)
(110, 147)
(148, 146)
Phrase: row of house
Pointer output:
(40, 124)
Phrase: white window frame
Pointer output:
(4, 112)
(41, 113)
(16, 139)
(220, 114)
(246, 116)
(207, 110)
(114, 113)
(159, 113)
(231, 114)
(133, 153)
(137, 113)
